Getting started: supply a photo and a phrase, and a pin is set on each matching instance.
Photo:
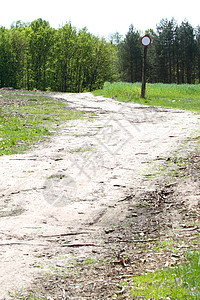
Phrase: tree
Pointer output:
(64, 53)
(5, 58)
(151, 70)
(40, 40)
(103, 60)
(18, 50)
(130, 56)
(187, 50)
(198, 53)
(165, 60)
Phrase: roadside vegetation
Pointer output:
(179, 282)
(183, 96)
(27, 118)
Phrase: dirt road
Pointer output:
(57, 199)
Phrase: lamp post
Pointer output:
(145, 41)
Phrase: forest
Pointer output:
(36, 56)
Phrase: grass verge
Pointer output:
(180, 282)
(27, 118)
(183, 96)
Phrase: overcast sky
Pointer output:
(100, 17)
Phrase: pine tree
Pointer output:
(130, 56)
(198, 54)
(165, 50)
(186, 54)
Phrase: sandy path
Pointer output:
(67, 190)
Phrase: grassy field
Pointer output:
(27, 118)
(183, 96)
(180, 282)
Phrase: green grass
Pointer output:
(180, 282)
(30, 297)
(28, 118)
(183, 96)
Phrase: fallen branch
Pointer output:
(80, 245)
(23, 159)
(144, 241)
(20, 243)
(64, 234)
(135, 241)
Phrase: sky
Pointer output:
(103, 17)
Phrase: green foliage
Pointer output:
(40, 41)
(130, 56)
(5, 58)
(183, 96)
(175, 48)
(173, 56)
(180, 282)
(120, 90)
(36, 56)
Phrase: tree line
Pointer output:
(35, 55)
(173, 56)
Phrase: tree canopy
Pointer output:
(173, 56)
(35, 55)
